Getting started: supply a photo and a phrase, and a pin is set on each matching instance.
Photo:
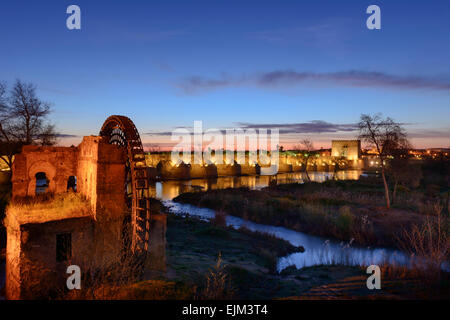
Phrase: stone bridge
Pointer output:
(161, 166)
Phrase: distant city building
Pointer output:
(349, 149)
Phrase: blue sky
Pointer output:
(230, 63)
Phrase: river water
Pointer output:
(318, 250)
(169, 189)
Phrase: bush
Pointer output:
(212, 231)
(220, 219)
(345, 220)
(429, 243)
(217, 284)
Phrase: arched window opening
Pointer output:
(72, 183)
(41, 182)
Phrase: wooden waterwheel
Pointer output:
(121, 131)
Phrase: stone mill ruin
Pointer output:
(108, 177)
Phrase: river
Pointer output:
(169, 189)
(318, 250)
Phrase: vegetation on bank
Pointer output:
(205, 261)
(427, 238)
(48, 206)
(343, 210)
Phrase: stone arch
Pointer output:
(41, 166)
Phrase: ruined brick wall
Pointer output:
(58, 164)
(13, 278)
(87, 169)
(101, 172)
(157, 249)
(111, 178)
(101, 175)
(96, 239)
(32, 270)
(98, 166)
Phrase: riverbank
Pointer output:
(206, 261)
(344, 210)
(246, 257)
(245, 270)
(244, 254)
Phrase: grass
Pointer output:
(429, 243)
(47, 207)
(204, 261)
(246, 260)
(217, 285)
(244, 268)
(207, 261)
(343, 210)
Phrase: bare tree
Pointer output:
(403, 171)
(387, 137)
(307, 146)
(23, 120)
(8, 147)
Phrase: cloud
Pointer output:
(166, 133)
(430, 133)
(56, 91)
(315, 126)
(291, 78)
(158, 133)
(327, 33)
(197, 83)
(318, 129)
(159, 145)
(64, 135)
(154, 35)
(162, 65)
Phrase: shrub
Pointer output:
(212, 231)
(345, 220)
(270, 260)
(220, 219)
(429, 243)
(217, 286)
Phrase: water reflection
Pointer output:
(167, 190)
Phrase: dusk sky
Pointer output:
(309, 68)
